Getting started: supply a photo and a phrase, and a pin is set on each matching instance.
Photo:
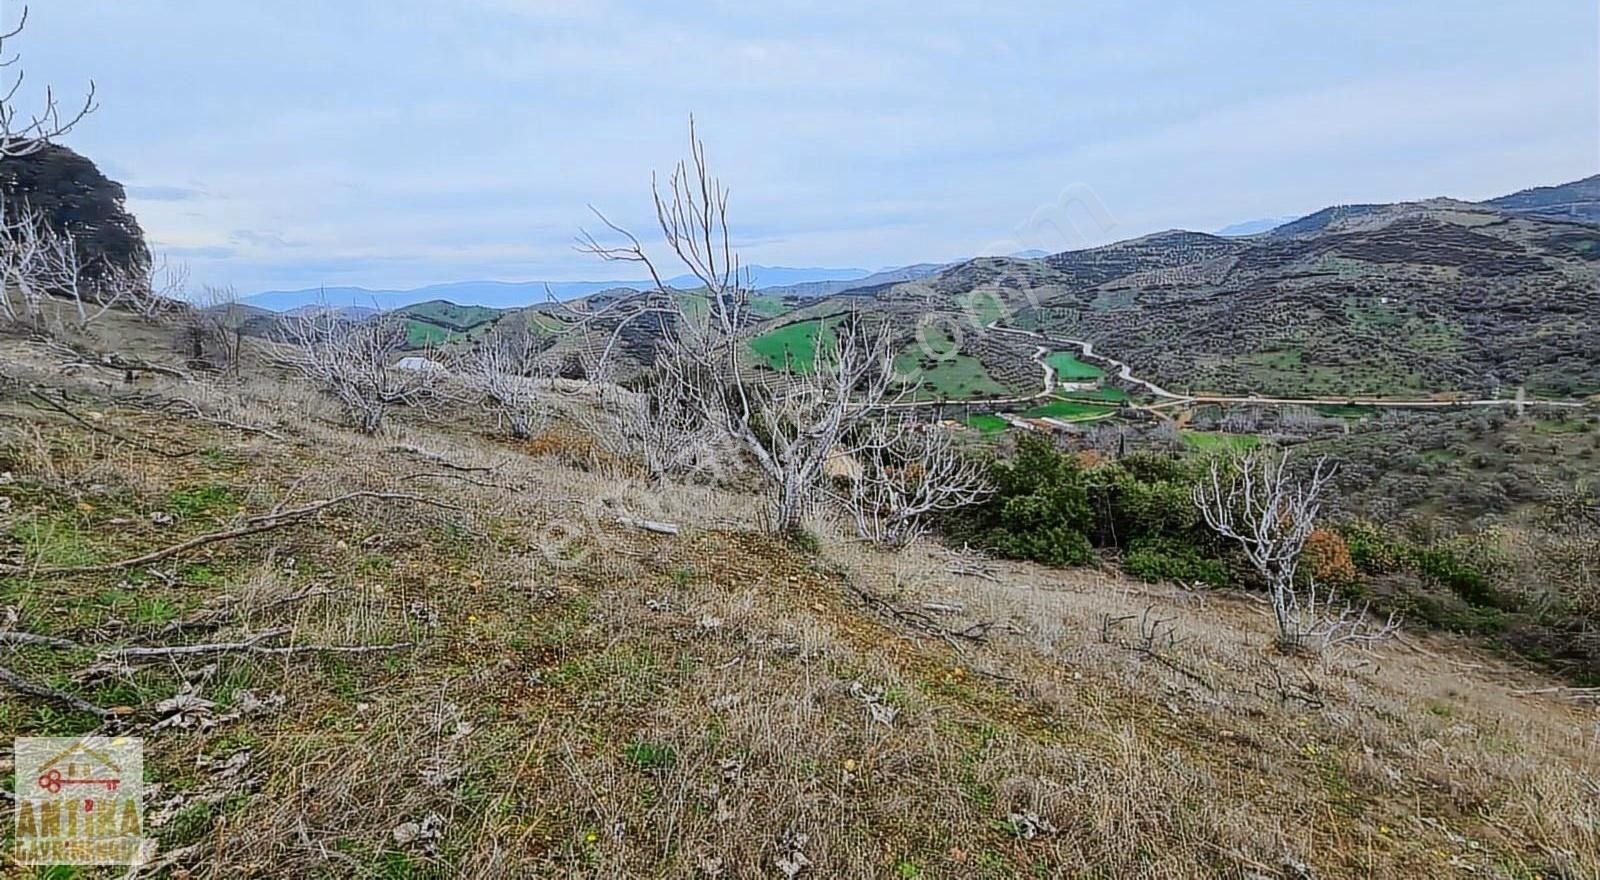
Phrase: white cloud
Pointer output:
(406, 141)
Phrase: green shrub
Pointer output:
(1156, 559)
(1049, 508)
(1372, 549)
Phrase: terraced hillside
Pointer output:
(1417, 298)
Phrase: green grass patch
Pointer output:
(441, 312)
(209, 500)
(1215, 441)
(987, 424)
(768, 306)
(944, 373)
(1107, 395)
(1070, 369)
(793, 346)
(421, 334)
(54, 542)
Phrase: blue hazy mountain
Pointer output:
(1256, 227)
(512, 294)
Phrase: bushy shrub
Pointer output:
(1050, 507)
(1155, 559)
(1040, 510)
(1372, 549)
(1327, 560)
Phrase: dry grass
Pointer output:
(591, 700)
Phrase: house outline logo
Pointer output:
(79, 801)
(54, 779)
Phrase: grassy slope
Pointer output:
(588, 700)
(1070, 369)
(793, 345)
(452, 315)
(943, 372)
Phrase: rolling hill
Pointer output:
(1411, 298)
(1578, 200)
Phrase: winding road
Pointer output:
(1168, 398)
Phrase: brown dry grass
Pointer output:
(589, 700)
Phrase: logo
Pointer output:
(80, 801)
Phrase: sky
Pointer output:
(398, 143)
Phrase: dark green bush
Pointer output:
(1049, 508)
(1155, 559)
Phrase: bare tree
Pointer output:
(1255, 500)
(29, 255)
(211, 332)
(25, 132)
(360, 364)
(506, 369)
(665, 427)
(788, 423)
(901, 472)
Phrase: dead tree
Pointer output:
(788, 423)
(899, 473)
(211, 332)
(359, 364)
(1253, 499)
(29, 255)
(23, 133)
(153, 291)
(505, 368)
(664, 427)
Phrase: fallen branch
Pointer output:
(461, 478)
(213, 618)
(253, 645)
(196, 412)
(192, 650)
(439, 460)
(1151, 632)
(251, 526)
(660, 528)
(977, 632)
(23, 638)
(34, 689)
(1577, 695)
(122, 438)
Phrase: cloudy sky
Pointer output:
(395, 143)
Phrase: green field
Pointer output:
(421, 334)
(1068, 411)
(945, 374)
(986, 424)
(1210, 441)
(768, 306)
(1070, 369)
(792, 346)
(450, 314)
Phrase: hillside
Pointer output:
(1578, 201)
(482, 669)
(1416, 298)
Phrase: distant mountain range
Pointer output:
(515, 294)
(1578, 201)
(1254, 227)
(781, 281)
